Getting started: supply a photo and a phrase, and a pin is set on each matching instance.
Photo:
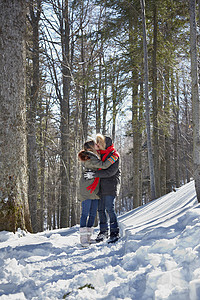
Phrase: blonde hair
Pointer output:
(101, 141)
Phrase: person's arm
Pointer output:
(96, 163)
(111, 171)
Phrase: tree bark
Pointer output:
(14, 210)
(32, 113)
(176, 134)
(133, 36)
(195, 97)
(83, 84)
(105, 102)
(167, 128)
(147, 113)
(186, 142)
(98, 99)
(65, 149)
(42, 155)
(155, 105)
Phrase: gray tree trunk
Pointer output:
(105, 103)
(155, 105)
(14, 210)
(65, 149)
(195, 97)
(133, 36)
(83, 87)
(187, 160)
(98, 98)
(167, 128)
(32, 112)
(176, 134)
(42, 155)
(147, 113)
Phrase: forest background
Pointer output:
(84, 75)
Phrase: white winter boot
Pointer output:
(90, 233)
(84, 236)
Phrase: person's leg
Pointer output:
(102, 215)
(110, 208)
(85, 212)
(92, 212)
(83, 229)
(91, 219)
(103, 223)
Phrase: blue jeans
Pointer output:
(89, 211)
(107, 203)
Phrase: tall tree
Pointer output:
(176, 131)
(155, 101)
(83, 83)
(134, 65)
(64, 127)
(195, 97)
(35, 10)
(147, 113)
(14, 211)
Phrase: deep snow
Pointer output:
(158, 257)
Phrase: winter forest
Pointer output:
(70, 69)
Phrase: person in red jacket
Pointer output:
(108, 190)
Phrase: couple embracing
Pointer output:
(98, 188)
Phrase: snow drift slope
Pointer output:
(156, 258)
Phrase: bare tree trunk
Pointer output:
(136, 147)
(14, 210)
(141, 119)
(163, 181)
(105, 102)
(65, 149)
(32, 112)
(133, 35)
(42, 153)
(176, 134)
(54, 197)
(155, 105)
(167, 129)
(114, 88)
(162, 139)
(147, 114)
(195, 97)
(83, 87)
(49, 198)
(98, 99)
(114, 115)
(186, 155)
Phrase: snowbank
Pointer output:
(156, 258)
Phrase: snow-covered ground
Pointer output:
(158, 257)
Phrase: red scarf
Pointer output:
(106, 152)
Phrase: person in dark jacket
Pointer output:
(108, 190)
(88, 189)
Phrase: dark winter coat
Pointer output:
(90, 162)
(109, 178)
